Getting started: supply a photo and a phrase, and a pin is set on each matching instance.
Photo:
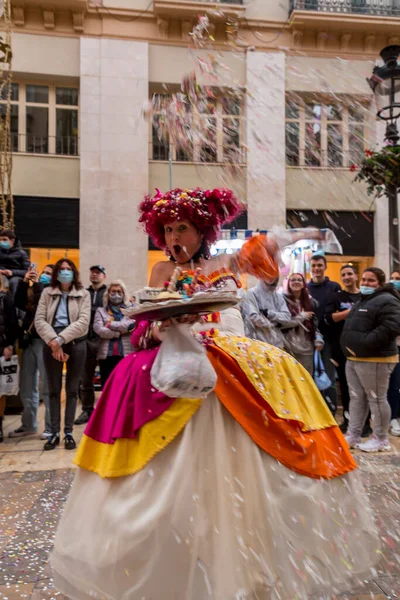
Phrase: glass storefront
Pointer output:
(44, 256)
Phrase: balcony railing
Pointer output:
(160, 151)
(386, 8)
(37, 144)
(222, 1)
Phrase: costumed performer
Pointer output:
(249, 493)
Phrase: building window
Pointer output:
(14, 112)
(324, 134)
(213, 133)
(159, 142)
(67, 121)
(44, 118)
(37, 119)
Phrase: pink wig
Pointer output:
(207, 210)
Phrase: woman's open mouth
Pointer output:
(177, 249)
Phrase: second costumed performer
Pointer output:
(249, 493)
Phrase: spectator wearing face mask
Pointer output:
(14, 261)
(369, 343)
(113, 328)
(62, 321)
(394, 382)
(264, 311)
(32, 364)
(96, 290)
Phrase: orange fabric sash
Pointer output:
(317, 454)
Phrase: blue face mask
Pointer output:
(365, 290)
(5, 244)
(65, 276)
(45, 279)
(396, 284)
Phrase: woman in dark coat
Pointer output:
(369, 343)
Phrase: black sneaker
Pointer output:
(69, 442)
(83, 418)
(343, 426)
(52, 442)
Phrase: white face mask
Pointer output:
(116, 299)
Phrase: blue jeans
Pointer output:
(330, 395)
(31, 366)
(11, 283)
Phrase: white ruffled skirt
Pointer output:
(212, 517)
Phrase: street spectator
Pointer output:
(394, 382)
(14, 261)
(113, 328)
(321, 288)
(336, 314)
(62, 321)
(32, 364)
(8, 337)
(369, 343)
(96, 290)
(302, 337)
(264, 311)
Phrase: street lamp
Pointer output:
(385, 83)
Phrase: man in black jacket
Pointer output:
(369, 343)
(96, 290)
(14, 261)
(322, 289)
(336, 314)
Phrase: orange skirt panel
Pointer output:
(317, 454)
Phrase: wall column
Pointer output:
(114, 157)
(266, 169)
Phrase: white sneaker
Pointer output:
(352, 441)
(395, 427)
(375, 445)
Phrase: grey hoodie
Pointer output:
(264, 310)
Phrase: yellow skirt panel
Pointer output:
(281, 380)
(128, 456)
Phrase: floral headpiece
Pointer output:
(207, 210)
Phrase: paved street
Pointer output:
(34, 485)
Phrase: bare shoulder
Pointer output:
(160, 272)
(218, 262)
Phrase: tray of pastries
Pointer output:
(175, 305)
(175, 300)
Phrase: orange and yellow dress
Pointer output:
(249, 493)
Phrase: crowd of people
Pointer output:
(54, 322)
(356, 331)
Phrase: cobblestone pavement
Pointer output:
(34, 485)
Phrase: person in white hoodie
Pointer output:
(264, 311)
